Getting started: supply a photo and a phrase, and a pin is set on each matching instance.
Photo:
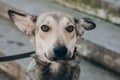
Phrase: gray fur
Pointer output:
(68, 70)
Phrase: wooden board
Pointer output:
(99, 54)
(12, 69)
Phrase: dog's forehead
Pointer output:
(54, 16)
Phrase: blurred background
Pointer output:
(99, 48)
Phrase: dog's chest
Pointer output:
(50, 71)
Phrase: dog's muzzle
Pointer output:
(61, 53)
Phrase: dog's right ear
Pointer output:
(26, 23)
(84, 24)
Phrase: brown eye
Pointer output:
(70, 28)
(45, 28)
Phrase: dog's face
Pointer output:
(54, 33)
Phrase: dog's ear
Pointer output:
(84, 24)
(26, 23)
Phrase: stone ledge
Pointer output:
(98, 8)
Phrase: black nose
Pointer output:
(60, 51)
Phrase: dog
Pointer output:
(54, 36)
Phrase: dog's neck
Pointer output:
(65, 70)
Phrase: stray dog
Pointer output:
(54, 36)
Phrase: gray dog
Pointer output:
(54, 37)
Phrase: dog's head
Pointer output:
(54, 33)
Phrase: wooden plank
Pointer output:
(12, 69)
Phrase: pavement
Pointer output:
(12, 41)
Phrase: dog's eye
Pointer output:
(45, 28)
(70, 28)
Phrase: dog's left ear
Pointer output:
(25, 23)
(84, 24)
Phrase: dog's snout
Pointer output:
(60, 51)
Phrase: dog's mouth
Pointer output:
(58, 59)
